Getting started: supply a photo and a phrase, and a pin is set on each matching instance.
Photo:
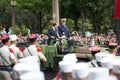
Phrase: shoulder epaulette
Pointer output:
(20, 49)
(24, 48)
(11, 50)
(39, 49)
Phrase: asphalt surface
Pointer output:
(49, 74)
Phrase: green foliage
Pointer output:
(98, 13)
(22, 29)
(37, 14)
(40, 12)
(25, 31)
(18, 30)
(70, 25)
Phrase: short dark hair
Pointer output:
(54, 24)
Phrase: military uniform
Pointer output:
(94, 50)
(7, 55)
(6, 59)
(18, 54)
(32, 50)
(93, 63)
(63, 29)
(116, 67)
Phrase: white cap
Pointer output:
(21, 68)
(95, 73)
(30, 59)
(65, 66)
(63, 19)
(32, 76)
(81, 70)
(109, 78)
(71, 57)
(107, 62)
(116, 65)
(13, 37)
(100, 55)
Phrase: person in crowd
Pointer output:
(92, 42)
(73, 42)
(10, 31)
(20, 37)
(96, 38)
(3, 32)
(110, 32)
(43, 39)
(32, 50)
(63, 28)
(81, 43)
(7, 59)
(61, 46)
(53, 33)
(17, 51)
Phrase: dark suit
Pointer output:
(61, 48)
(52, 32)
(63, 30)
(73, 43)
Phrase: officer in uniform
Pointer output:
(63, 29)
(18, 54)
(7, 58)
(32, 50)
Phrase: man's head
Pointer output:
(95, 49)
(112, 45)
(13, 38)
(5, 40)
(55, 25)
(32, 38)
(63, 21)
(73, 36)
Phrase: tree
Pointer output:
(39, 8)
(99, 13)
(5, 16)
(76, 10)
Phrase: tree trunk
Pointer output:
(96, 28)
(83, 23)
(39, 24)
(76, 23)
(40, 28)
(55, 6)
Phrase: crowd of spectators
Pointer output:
(73, 40)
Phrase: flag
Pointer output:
(117, 9)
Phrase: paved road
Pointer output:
(49, 74)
